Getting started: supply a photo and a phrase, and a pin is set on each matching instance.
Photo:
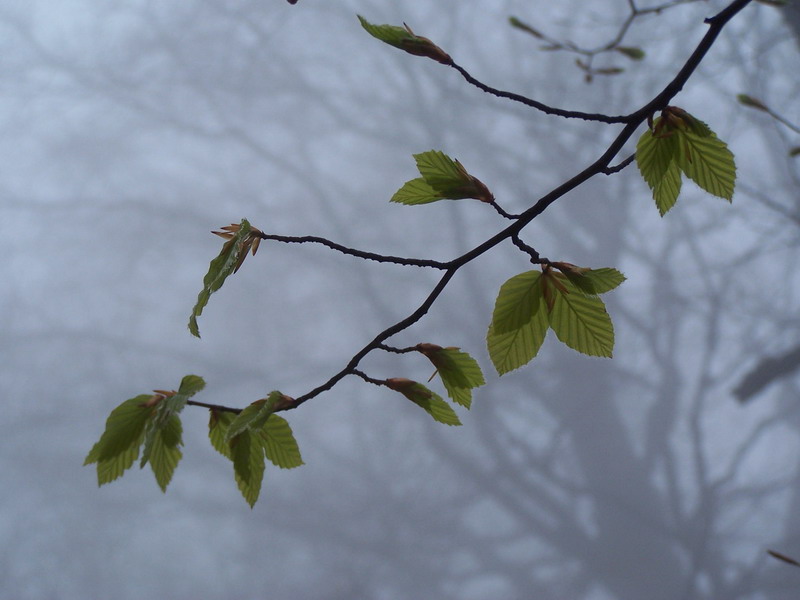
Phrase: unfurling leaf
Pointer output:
(432, 403)
(240, 239)
(442, 178)
(255, 415)
(458, 370)
(679, 143)
(406, 40)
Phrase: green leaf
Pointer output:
(631, 52)
(190, 385)
(517, 302)
(458, 370)
(594, 281)
(119, 444)
(516, 348)
(432, 403)
(442, 178)
(225, 264)
(279, 444)
(167, 406)
(247, 454)
(707, 161)
(580, 321)
(656, 158)
(390, 34)
(113, 468)
(439, 170)
(254, 416)
(165, 452)
(416, 191)
(218, 423)
(124, 427)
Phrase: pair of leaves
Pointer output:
(567, 302)
(241, 239)
(677, 143)
(460, 372)
(150, 420)
(251, 436)
(406, 40)
(442, 178)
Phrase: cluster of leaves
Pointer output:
(151, 420)
(255, 433)
(679, 143)
(561, 296)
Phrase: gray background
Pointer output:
(130, 129)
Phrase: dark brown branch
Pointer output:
(217, 407)
(310, 239)
(550, 110)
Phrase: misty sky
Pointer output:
(132, 129)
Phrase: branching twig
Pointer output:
(600, 166)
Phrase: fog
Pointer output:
(132, 129)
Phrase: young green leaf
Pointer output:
(458, 370)
(656, 159)
(432, 403)
(707, 161)
(591, 281)
(580, 321)
(279, 444)
(439, 170)
(517, 302)
(406, 40)
(190, 385)
(247, 454)
(255, 415)
(164, 453)
(240, 239)
(416, 191)
(442, 178)
(119, 444)
(512, 349)
(218, 424)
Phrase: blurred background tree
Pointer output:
(132, 129)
